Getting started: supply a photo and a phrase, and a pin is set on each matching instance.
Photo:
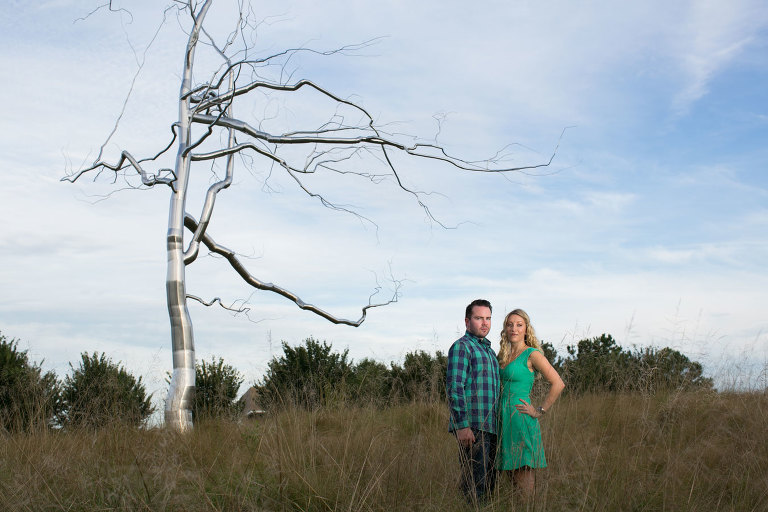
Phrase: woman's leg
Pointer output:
(524, 479)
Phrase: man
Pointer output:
(472, 380)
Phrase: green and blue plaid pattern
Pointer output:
(472, 381)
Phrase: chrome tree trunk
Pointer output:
(181, 394)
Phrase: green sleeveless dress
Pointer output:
(519, 435)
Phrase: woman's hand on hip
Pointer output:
(526, 408)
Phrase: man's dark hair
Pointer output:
(477, 302)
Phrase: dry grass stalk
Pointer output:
(672, 451)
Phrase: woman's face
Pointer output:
(515, 329)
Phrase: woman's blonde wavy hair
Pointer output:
(505, 350)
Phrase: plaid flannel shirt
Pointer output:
(472, 382)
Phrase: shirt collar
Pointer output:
(483, 341)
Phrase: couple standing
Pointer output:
(492, 417)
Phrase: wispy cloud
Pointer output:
(711, 37)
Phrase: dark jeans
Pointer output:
(478, 472)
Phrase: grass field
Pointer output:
(702, 451)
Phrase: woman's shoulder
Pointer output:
(532, 353)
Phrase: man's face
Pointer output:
(479, 323)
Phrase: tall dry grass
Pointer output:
(673, 451)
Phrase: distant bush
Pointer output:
(29, 398)
(309, 375)
(420, 378)
(600, 364)
(216, 385)
(666, 368)
(370, 383)
(313, 375)
(100, 392)
(597, 364)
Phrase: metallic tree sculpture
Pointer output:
(207, 129)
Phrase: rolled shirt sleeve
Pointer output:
(456, 381)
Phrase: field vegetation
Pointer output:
(621, 446)
(681, 451)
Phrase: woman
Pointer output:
(519, 443)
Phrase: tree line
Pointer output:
(599, 364)
(313, 375)
(98, 392)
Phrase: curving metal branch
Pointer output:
(191, 224)
(210, 198)
(236, 310)
(148, 179)
(215, 300)
(419, 149)
(215, 83)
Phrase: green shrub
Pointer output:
(599, 364)
(312, 375)
(100, 392)
(216, 385)
(370, 383)
(421, 378)
(29, 398)
(309, 375)
(666, 368)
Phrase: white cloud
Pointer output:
(665, 255)
(713, 35)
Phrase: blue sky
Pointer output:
(650, 224)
